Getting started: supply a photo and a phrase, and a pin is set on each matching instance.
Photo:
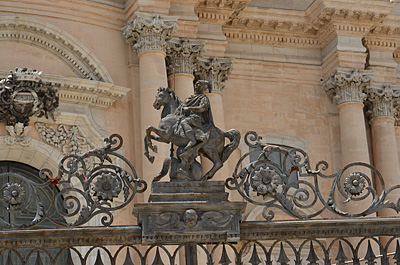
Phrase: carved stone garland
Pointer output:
(68, 139)
(149, 32)
(215, 70)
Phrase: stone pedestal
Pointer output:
(179, 212)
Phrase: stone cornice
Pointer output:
(310, 30)
(148, 32)
(93, 93)
(219, 11)
(182, 55)
(348, 85)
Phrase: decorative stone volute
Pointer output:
(382, 100)
(215, 70)
(148, 32)
(348, 85)
(182, 55)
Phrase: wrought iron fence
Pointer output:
(102, 181)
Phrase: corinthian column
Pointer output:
(216, 71)
(182, 56)
(382, 120)
(347, 89)
(148, 34)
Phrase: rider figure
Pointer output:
(196, 114)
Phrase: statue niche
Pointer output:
(189, 126)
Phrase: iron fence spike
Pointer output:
(341, 257)
(254, 260)
(282, 259)
(128, 259)
(312, 256)
(224, 257)
(38, 259)
(157, 258)
(98, 261)
(370, 256)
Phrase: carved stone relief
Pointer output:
(18, 134)
(348, 85)
(149, 32)
(215, 70)
(381, 101)
(182, 55)
(67, 138)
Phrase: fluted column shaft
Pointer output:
(216, 71)
(148, 35)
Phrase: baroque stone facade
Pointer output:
(321, 74)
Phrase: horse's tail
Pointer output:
(234, 138)
(164, 170)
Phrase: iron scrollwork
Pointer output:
(267, 183)
(96, 183)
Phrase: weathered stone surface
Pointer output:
(200, 213)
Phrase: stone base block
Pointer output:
(180, 212)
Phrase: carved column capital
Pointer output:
(182, 55)
(147, 32)
(381, 101)
(348, 85)
(214, 70)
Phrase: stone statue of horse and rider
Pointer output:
(190, 127)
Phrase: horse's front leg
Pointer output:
(149, 136)
(146, 150)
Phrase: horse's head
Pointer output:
(163, 96)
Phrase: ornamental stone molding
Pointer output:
(23, 94)
(96, 94)
(50, 38)
(310, 29)
(382, 101)
(67, 138)
(182, 56)
(148, 32)
(348, 85)
(215, 70)
(220, 11)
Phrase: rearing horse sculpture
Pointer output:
(213, 147)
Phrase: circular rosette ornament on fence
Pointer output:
(107, 187)
(354, 184)
(265, 181)
(13, 194)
